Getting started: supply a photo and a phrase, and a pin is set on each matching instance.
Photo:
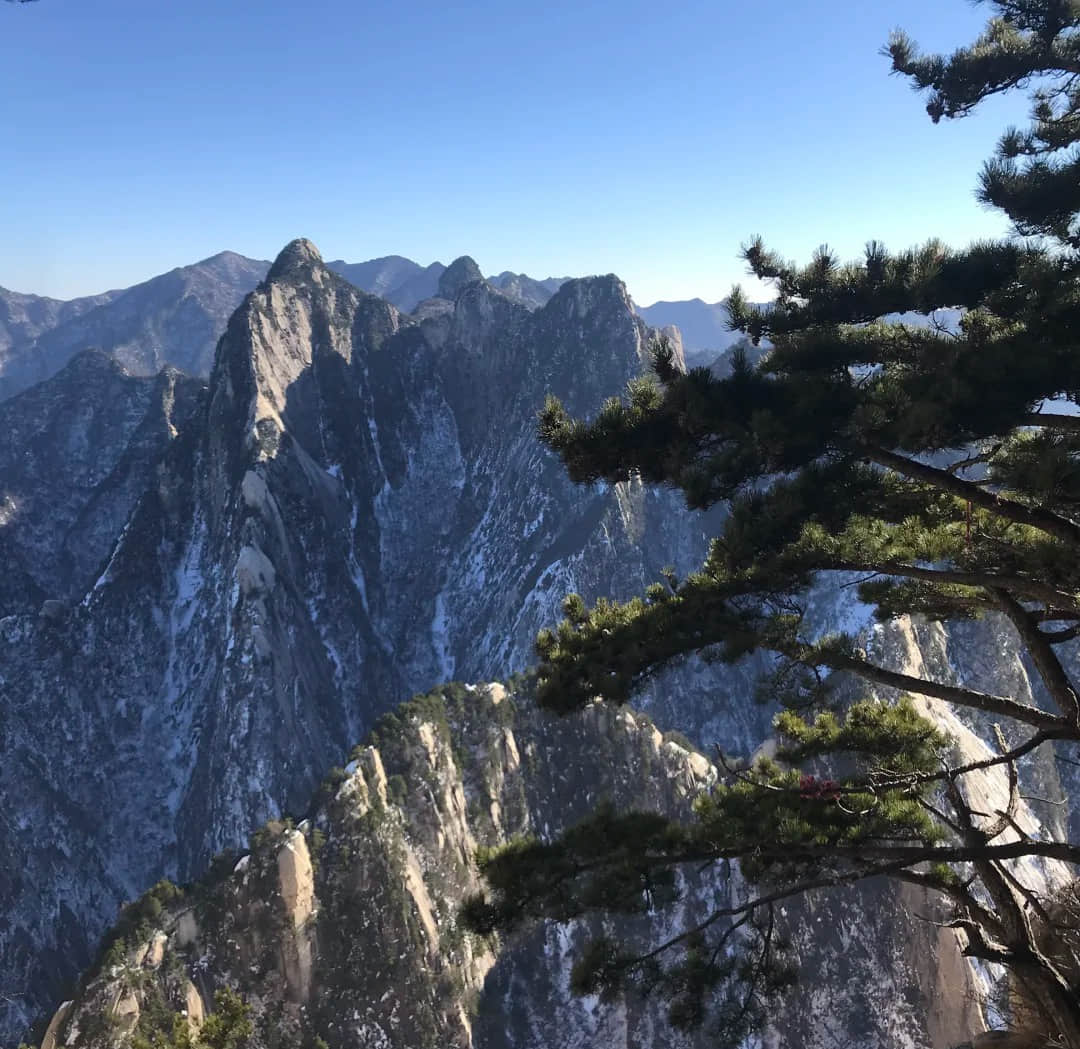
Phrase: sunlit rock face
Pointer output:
(345, 925)
(214, 589)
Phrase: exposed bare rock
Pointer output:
(50, 1039)
(193, 1006)
(124, 1012)
(297, 888)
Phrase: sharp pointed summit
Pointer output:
(457, 275)
(296, 258)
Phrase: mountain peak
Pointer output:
(296, 257)
(460, 272)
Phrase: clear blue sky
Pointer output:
(566, 137)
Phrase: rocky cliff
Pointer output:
(344, 927)
(354, 509)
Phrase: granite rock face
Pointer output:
(345, 926)
(355, 508)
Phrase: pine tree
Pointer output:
(941, 465)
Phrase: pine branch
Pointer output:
(1029, 588)
(1007, 817)
(1053, 675)
(876, 782)
(900, 855)
(964, 697)
(1034, 517)
(1014, 919)
(956, 892)
(1004, 757)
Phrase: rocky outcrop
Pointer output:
(390, 841)
(192, 1002)
(460, 273)
(49, 1038)
(296, 887)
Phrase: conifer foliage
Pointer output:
(939, 463)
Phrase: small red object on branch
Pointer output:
(814, 789)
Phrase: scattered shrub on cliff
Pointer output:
(229, 1026)
(136, 922)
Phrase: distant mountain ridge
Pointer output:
(175, 319)
(172, 319)
(402, 282)
(24, 317)
(703, 326)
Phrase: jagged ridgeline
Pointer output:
(212, 588)
(177, 317)
(343, 928)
